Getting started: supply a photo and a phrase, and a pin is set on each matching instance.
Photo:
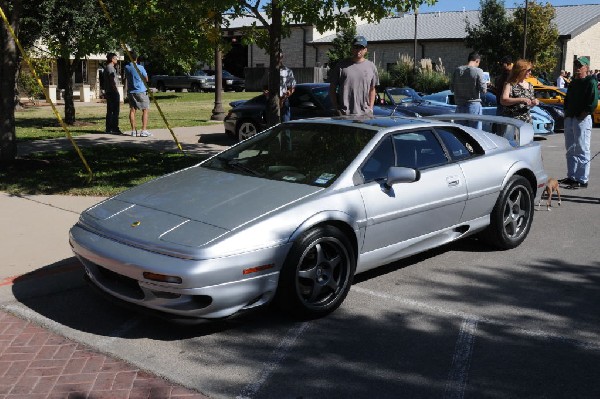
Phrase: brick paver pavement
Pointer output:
(35, 363)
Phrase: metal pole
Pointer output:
(415, 49)
(525, 31)
(218, 114)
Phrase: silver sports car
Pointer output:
(292, 214)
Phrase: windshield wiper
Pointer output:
(235, 164)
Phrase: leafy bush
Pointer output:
(425, 78)
(26, 82)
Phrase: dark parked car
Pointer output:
(309, 100)
(407, 99)
(230, 82)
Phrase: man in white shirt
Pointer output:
(560, 81)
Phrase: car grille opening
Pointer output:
(202, 300)
(120, 284)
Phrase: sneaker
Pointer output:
(567, 181)
(134, 133)
(576, 185)
(145, 133)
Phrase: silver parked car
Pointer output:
(292, 214)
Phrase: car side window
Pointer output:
(379, 161)
(458, 143)
(418, 150)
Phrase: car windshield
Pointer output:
(403, 95)
(199, 73)
(227, 74)
(305, 153)
(322, 95)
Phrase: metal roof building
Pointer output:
(440, 35)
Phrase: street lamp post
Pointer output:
(218, 114)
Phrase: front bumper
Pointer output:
(209, 288)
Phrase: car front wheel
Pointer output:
(317, 273)
(512, 215)
(246, 129)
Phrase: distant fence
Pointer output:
(254, 76)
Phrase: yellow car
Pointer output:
(550, 94)
(554, 95)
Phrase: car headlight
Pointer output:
(560, 112)
(229, 81)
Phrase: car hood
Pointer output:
(191, 207)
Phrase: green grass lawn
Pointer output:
(115, 168)
(180, 109)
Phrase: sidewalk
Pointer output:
(36, 358)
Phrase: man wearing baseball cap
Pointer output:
(352, 82)
(580, 102)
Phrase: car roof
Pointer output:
(375, 123)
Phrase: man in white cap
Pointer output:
(580, 102)
(353, 81)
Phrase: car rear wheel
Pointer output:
(317, 273)
(512, 215)
(246, 128)
(160, 86)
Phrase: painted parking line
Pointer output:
(43, 272)
(461, 361)
(278, 355)
(585, 345)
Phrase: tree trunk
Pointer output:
(65, 70)
(8, 72)
(273, 110)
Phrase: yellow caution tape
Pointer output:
(60, 120)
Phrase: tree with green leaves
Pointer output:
(172, 35)
(500, 33)
(542, 35)
(492, 37)
(341, 46)
(72, 30)
(23, 17)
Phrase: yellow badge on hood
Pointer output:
(136, 223)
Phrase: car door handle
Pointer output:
(452, 181)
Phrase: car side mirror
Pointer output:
(397, 174)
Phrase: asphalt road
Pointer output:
(459, 321)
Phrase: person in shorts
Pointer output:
(138, 98)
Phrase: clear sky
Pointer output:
(457, 5)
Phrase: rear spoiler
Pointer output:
(514, 130)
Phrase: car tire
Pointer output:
(160, 86)
(512, 216)
(317, 273)
(246, 128)
(196, 88)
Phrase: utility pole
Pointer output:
(415, 49)
(525, 31)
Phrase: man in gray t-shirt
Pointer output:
(352, 82)
(469, 86)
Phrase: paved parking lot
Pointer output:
(459, 321)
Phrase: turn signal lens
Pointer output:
(163, 278)
(257, 269)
